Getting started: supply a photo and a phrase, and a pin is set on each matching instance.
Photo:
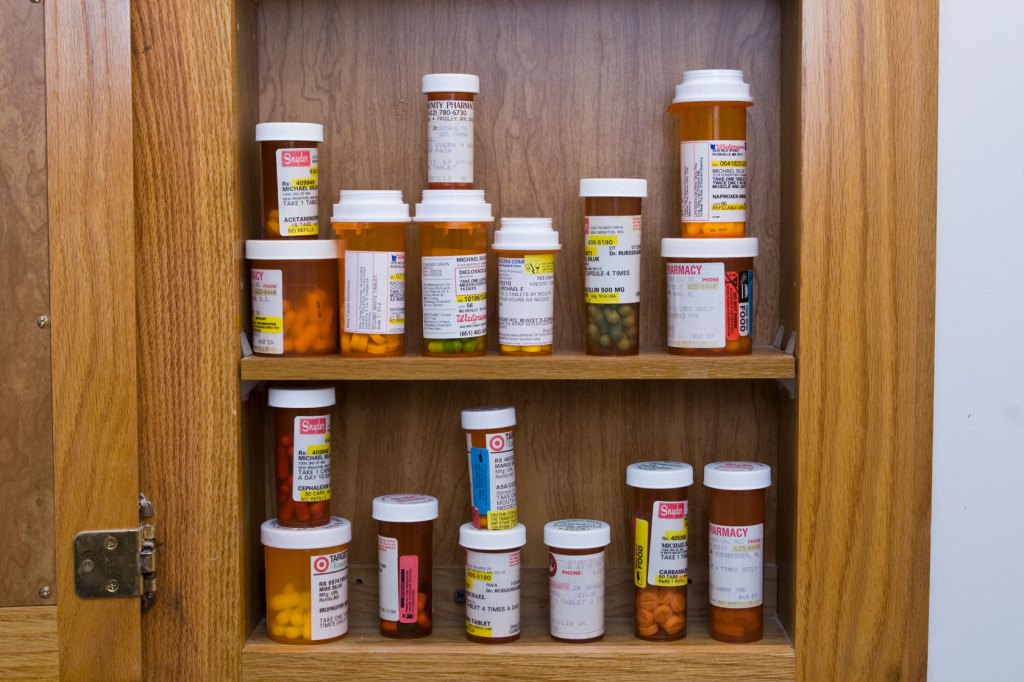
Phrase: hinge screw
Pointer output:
(110, 542)
(112, 585)
(45, 592)
(43, 321)
(87, 566)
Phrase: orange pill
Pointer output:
(647, 600)
(423, 621)
(678, 604)
(323, 344)
(316, 303)
(346, 343)
(665, 595)
(377, 338)
(393, 342)
(421, 601)
(662, 613)
(648, 631)
(299, 320)
(327, 322)
(289, 345)
(373, 349)
(673, 625)
(389, 625)
(304, 341)
(644, 618)
(359, 342)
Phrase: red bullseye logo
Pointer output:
(321, 564)
(554, 565)
(497, 443)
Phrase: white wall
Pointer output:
(976, 622)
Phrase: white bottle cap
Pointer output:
(577, 534)
(298, 398)
(337, 532)
(478, 538)
(613, 187)
(477, 418)
(526, 234)
(713, 85)
(291, 249)
(405, 508)
(370, 206)
(737, 475)
(289, 132)
(451, 82)
(659, 475)
(745, 247)
(453, 206)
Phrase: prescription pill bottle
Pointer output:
(736, 502)
(294, 296)
(405, 556)
(307, 581)
(526, 249)
(494, 559)
(612, 227)
(710, 295)
(302, 459)
(492, 466)
(576, 578)
(450, 102)
(453, 240)
(370, 225)
(289, 166)
(660, 526)
(712, 108)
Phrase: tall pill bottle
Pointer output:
(612, 228)
(576, 578)
(302, 461)
(660, 525)
(494, 560)
(712, 108)
(526, 249)
(736, 503)
(450, 101)
(490, 434)
(405, 556)
(289, 170)
(453, 240)
(370, 226)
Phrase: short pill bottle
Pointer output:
(576, 583)
(405, 556)
(526, 249)
(307, 581)
(494, 559)
(453, 241)
(294, 296)
(660, 527)
(612, 230)
(289, 170)
(710, 295)
(302, 454)
(370, 226)
(450, 101)
(736, 504)
(490, 434)
(712, 108)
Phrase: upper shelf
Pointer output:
(765, 362)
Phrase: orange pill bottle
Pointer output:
(660, 547)
(494, 559)
(712, 108)
(370, 225)
(490, 436)
(576, 578)
(405, 556)
(450, 102)
(453, 241)
(294, 296)
(710, 295)
(307, 581)
(302, 458)
(736, 503)
(526, 249)
(289, 171)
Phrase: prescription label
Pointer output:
(311, 462)
(526, 288)
(667, 563)
(328, 587)
(450, 141)
(736, 558)
(492, 593)
(612, 251)
(492, 480)
(297, 203)
(374, 292)
(577, 595)
(267, 311)
(714, 178)
(454, 296)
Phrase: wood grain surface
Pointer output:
(26, 428)
(28, 644)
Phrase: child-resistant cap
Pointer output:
(478, 538)
(337, 532)
(526, 234)
(674, 247)
(370, 206)
(289, 132)
(291, 249)
(737, 475)
(713, 85)
(407, 508)
(298, 398)
(613, 187)
(451, 82)
(477, 418)
(453, 206)
(659, 475)
(577, 534)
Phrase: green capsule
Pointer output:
(612, 316)
(452, 346)
(592, 332)
(595, 312)
(617, 334)
(602, 327)
(435, 346)
(605, 340)
(625, 309)
(624, 344)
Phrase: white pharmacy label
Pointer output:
(737, 565)
(492, 481)
(612, 250)
(492, 593)
(387, 563)
(328, 587)
(714, 177)
(297, 203)
(267, 312)
(450, 141)
(311, 461)
(374, 292)
(577, 595)
(526, 300)
(696, 305)
(454, 296)
(669, 553)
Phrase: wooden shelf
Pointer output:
(364, 653)
(765, 362)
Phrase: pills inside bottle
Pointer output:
(576, 583)
(493, 563)
(302, 461)
(526, 249)
(289, 168)
(450, 102)
(405, 557)
(490, 433)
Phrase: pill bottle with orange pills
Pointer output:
(370, 226)
(289, 171)
(451, 98)
(405, 551)
(526, 249)
(712, 108)
(294, 296)
(302, 456)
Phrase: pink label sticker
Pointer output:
(408, 587)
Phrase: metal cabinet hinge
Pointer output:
(118, 563)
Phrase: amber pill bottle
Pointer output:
(405, 556)
(451, 98)
(289, 173)
(490, 449)
(736, 507)
(302, 457)
(526, 249)
(494, 560)
(576, 578)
